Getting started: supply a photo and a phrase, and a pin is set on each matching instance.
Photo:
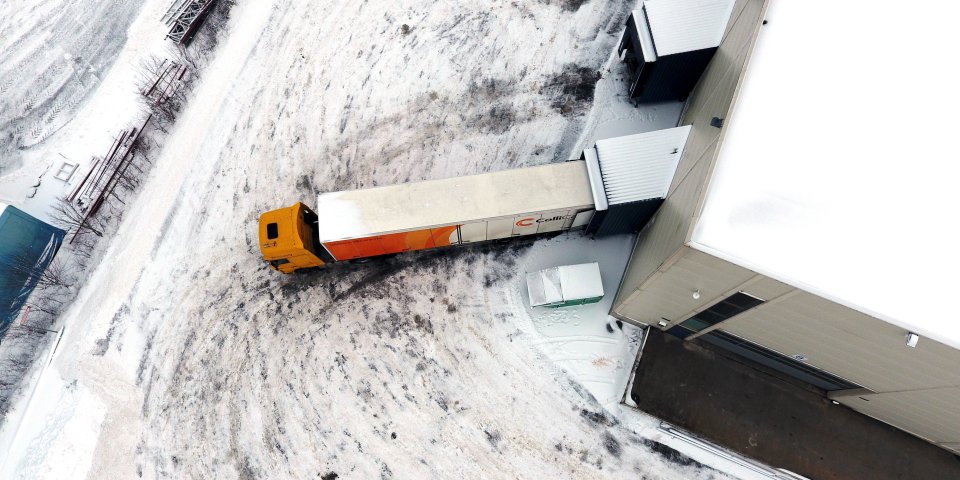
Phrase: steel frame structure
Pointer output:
(183, 16)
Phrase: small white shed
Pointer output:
(565, 285)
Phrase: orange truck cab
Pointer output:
(288, 239)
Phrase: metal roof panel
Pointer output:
(640, 167)
(687, 25)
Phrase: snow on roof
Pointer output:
(642, 24)
(641, 166)
(838, 168)
(544, 287)
(581, 281)
(458, 200)
(564, 284)
(687, 25)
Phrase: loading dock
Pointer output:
(668, 44)
(768, 416)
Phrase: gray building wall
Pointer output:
(914, 389)
(663, 240)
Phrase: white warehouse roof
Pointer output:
(839, 165)
(686, 25)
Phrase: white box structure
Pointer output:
(565, 285)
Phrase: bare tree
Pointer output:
(82, 249)
(58, 273)
(70, 217)
(51, 280)
(19, 349)
(162, 84)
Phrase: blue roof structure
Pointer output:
(27, 246)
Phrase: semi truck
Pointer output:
(614, 187)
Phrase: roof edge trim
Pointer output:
(822, 294)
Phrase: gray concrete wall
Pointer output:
(669, 295)
(930, 414)
(914, 389)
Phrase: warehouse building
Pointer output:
(807, 226)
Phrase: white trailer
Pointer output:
(454, 211)
(614, 188)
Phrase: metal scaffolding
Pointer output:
(184, 17)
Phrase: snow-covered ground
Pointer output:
(69, 74)
(54, 54)
(185, 357)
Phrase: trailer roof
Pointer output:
(834, 175)
(419, 205)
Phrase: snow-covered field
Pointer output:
(185, 357)
(54, 54)
(69, 75)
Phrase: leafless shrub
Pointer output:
(162, 86)
(73, 218)
(18, 353)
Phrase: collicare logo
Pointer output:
(529, 221)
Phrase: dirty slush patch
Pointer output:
(494, 110)
(407, 334)
(572, 89)
(567, 5)
(369, 369)
(674, 456)
(486, 107)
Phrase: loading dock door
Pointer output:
(777, 361)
